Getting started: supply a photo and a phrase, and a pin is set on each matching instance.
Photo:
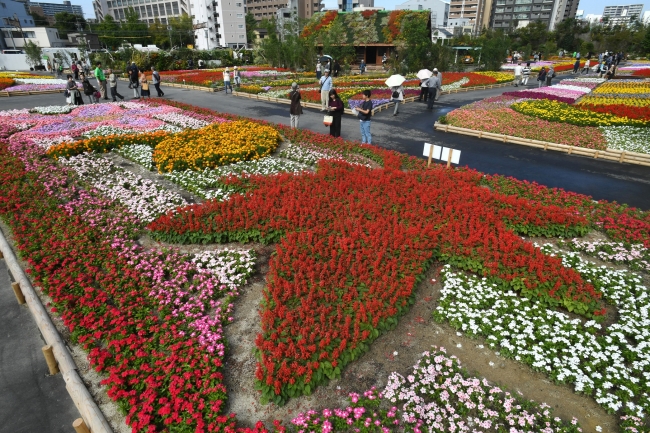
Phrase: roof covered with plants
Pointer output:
(361, 28)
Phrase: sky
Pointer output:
(589, 6)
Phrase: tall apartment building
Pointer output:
(149, 10)
(439, 10)
(220, 23)
(511, 14)
(622, 14)
(349, 5)
(303, 9)
(476, 11)
(51, 9)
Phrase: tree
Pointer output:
(159, 34)
(68, 23)
(493, 49)
(251, 26)
(182, 30)
(34, 53)
(109, 32)
(133, 29)
(534, 34)
(567, 34)
(39, 20)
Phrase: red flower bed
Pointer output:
(6, 82)
(642, 73)
(620, 110)
(353, 242)
(479, 80)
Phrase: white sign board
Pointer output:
(455, 155)
(436, 150)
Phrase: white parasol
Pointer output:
(395, 80)
(424, 74)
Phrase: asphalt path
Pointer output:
(30, 399)
(413, 126)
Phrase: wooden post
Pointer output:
(80, 426)
(1, 256)
(18, 293)
(430, 155)
(50, 359)
(449, 157)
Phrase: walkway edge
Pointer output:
(608, 154)
(82, 399)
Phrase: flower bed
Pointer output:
(212, 77)
(153, 321)
(560, 112)
(494, 117)
(631, 101)
(6, 82)
(623, 87)
(558, 92)
(599, 362)
(215, 146)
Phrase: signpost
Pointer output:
(442, 153)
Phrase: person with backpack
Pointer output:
(365, 114)
(295, 110)
(550, 75)
(541, 77)
(112, 81)
(397, 96)
(89, 90)
(434, 87)
(155, 79)
(525, 74)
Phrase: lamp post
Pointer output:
(169, 30)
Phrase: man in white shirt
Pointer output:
(325, 87)
(518, 70)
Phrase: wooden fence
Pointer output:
(607, 154)
(30, 92)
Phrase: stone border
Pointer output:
(82, 399)
(607, 154)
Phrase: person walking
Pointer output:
(133, 72)
(325, 87)
(101, 80)
(424, 90)
(365, 114)
(518, 73)
(525, 74)
(397, 96)
(112, 82)
(434, 87)
(550, 75)
(319, 70)
(576, 66)
(585, 68)
(89, 90)
(440, 78)
(295, 109)
(144, 83)
(362, 67)
(155, 80)
(335, 108)
(237, 77)
(541, 77)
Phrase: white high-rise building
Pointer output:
(220, 23)
(439, 10)
(622, 14)
(148, 10)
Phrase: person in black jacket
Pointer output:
(296, 109)
(335, 108)
(89, 89)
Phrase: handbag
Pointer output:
(395, 94)
(327, 120)
(68, 100)
(145, 86)
(97, 95)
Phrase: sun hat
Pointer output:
(294, 85)
(435, 69)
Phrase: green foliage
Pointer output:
(67, 23)
(284, 47)
(132, 29)
(108, 30)
(493, 49)
(33, 52)
(251, 26)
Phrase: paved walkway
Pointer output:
(31, 401)
(408, 132)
